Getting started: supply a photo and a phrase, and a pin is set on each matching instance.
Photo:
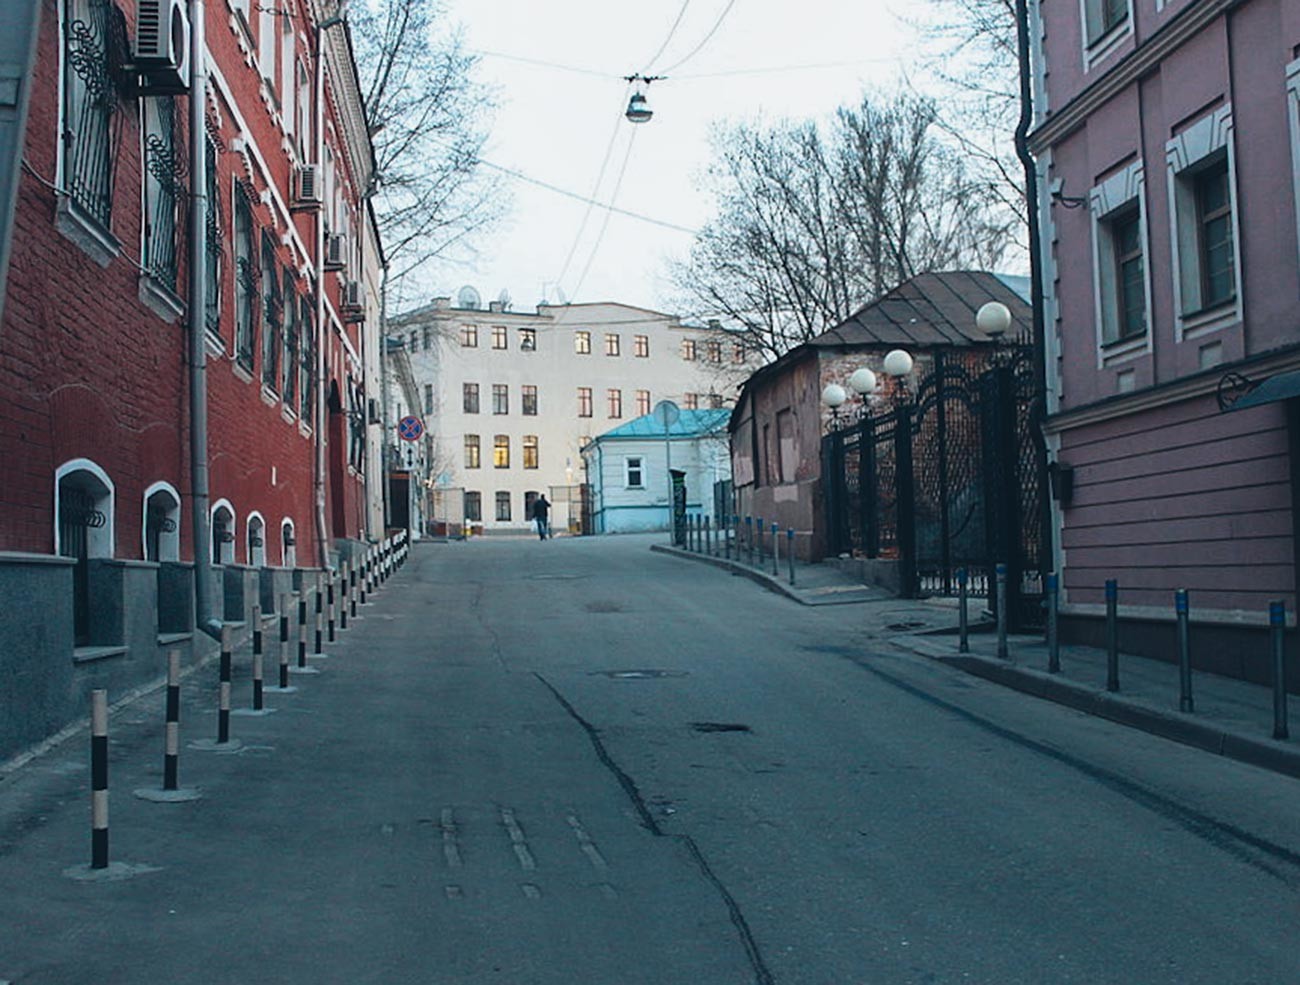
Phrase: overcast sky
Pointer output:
(558, 125)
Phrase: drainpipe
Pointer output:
(383, 398)
(318, 85)
(198, 260)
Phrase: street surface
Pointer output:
(579, 762)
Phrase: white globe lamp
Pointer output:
(898, 362)
(993, 319)
(863, 381)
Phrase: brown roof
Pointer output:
(929, 310)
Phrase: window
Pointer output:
(415, 338)
(469, 398)
(498, 337)
(223, 533)
(428, 338)
(474, 506)
(642, 403)
(256, 532)
(786, 456)
(530, 451)
(529, 398)
(469, 336)
(715, 401)
(266, 42)
(1130, 278)
(307, 364)
(527, 340)
(691, 401)
(245, 280)
(641, 346)
(611, 344)
(471, 451)
(582, 343)
(584, 401)
(1204, 224)
(714, 349)
(428, 398)
(634, 474)
(501, 451)
(288, 544)
(83, 506)
(737, 353)
(688, 350)
(500, 398)
(1103, 16)
(215, 236)
(1214, 226)
(289, 355)
(615, 400)
(503, 506)
(272, 307)
(162, 164)
(162, 514)
(90, 106)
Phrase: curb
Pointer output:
(735, 567)
(1268, 754)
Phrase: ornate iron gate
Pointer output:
(950, 479)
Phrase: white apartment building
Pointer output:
(509, 398)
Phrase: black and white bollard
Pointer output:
(99, 779)
(1112, 634)
(365, 577)
(343, 595)
(352, 588)
(302, 629)
(1053, 634)
(285, 601)
(257, 658)
(1277, 633)
(1183, 615)
(171, 792)
(1001, 573)
(963, 620)
(789, 551)
(318, 649)
(329, 605)
(223, 702)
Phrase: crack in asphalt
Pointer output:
(762, 975)
(1228, 838)
(476, 606)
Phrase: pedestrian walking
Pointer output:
(542, 517)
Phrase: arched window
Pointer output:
(162, 523)
(288, 542)
(83, 528)
(256, 540)
(223, 533)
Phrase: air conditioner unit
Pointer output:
(352, 294)
(336, 250)
(162, 46)
(308, 190)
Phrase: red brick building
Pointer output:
(96, 395)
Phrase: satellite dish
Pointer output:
(504, 299)
(469, 298)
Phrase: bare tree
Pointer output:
(814, 221)
(426, 116)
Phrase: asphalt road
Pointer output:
(582, 762)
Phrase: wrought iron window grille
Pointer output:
(94, 83)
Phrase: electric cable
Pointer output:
(703, 41)
(671, 31)
(609, 212)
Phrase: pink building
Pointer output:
(1168, 143)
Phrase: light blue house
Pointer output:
(628, 470)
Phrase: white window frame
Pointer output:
(288, 552)
(1098, 48)
(219, 555)
(256, 556)
(1113, 196)
(1186, 155)
(629, 468)
(169, 544)
(99, 540)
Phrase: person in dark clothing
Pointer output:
(542, 514)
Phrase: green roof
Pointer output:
(691, 424)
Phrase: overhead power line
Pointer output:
(703, 41)
(671, 31)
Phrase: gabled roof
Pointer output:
(929, 310)
(691, 424)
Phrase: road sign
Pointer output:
(410, 428)
(666, 413)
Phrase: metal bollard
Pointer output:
(284, 641)
(363, 579)
(99, 779)
(1053, 611)
(725, 530)
(1001, 571)
(343, 594)
(257, 658)
(708, 536)
(320, 615)
(172, 747)
(352, 588)
(1277, 629)
(1185, 702)
(749, 537)
(789, 551)
(329, 606)
(1112, 634)
(776, 539)
(963, 622)
(302, 629)
(223, 704)
(758, 528)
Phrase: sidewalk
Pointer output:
(1232, 718)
